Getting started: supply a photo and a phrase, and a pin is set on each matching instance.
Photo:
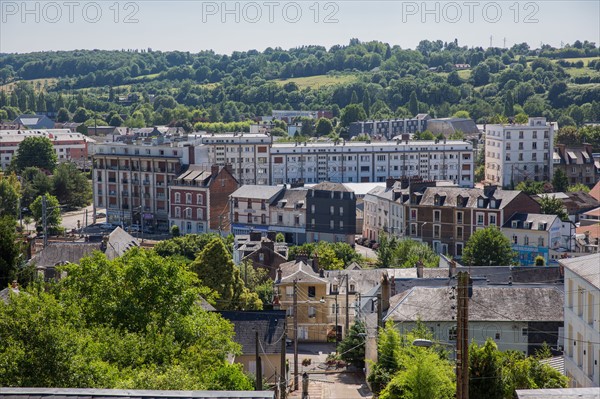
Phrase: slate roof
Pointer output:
(330, 186)
(469, 195)
(299, 271)
(255, 191)
(585, 267)
(195, 174)
(291, 199)
(487, 304)
(86, 393)
(559, 393)
(270, 325)
(535, 218)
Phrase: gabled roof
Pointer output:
(535, 221)
(330, 186)
(256, 191)
(299, 271)
(487, 304)
(291, 199)
(585, 267)
(196, 174)
(595, 192)
(270, 325)
(469, 197)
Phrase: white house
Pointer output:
(582, 320)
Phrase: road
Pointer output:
(365, 251)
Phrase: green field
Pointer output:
(579, 72)
(38, 84)
(146, 77)
(586, 60)
(319, 80)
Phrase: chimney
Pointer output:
(489, 190)
(321, 273)
(385, 292)
(302, 257)
(255, 236)
(272, 235)
(452, 269)
(315, 262)
(214, 170)
(279, 275)
(419, 269)
(389, 182)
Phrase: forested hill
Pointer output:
(242, 85)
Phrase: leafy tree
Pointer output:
(81, 115)
(488, 247)
(186, 247)
(540, 261)
(71, 187)
(509, 104)
(116, 120)
(352, 347)
(216, 271)
(324, 127)
(352, 113)
(553, 206)
(462, 114)
(63, 115)
(578, 187)
(35, 151)
(34, 183)
(9, 196)
(521, 118)
(53, 218)
(406, 253)
(175, 231)
(530, 187)
(9, 250)
(280, 237)
(560, 181)
(485, 367)
(413, 103)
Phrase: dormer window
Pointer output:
(493, 203)
(334, 288)
(459, 201)
(515, 224)
(480, 203)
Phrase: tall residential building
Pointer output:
(330, 213)
(582, 320)
(131, 181)
(390, 128)
(68, 146)
(577, 162)
(514, 153)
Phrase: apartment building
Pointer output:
(68, 146)
(582, 320)
(255, 159)
(248, 155)
(330, 213)
(199, 199)
(533, 234)
(288, 215)
(514, 153)
(577, 162)
(249, 208)
(390, 128)
(445, 217)
(355, 162)
(131, 181)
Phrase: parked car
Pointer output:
(100, 215)
(106, 226)
(134, 228)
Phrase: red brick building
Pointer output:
(199, 199)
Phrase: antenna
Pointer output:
(491, 37)
(504, 46)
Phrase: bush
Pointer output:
(175, 230)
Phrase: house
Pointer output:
(590, 217)
(588, 238)
(577, 163)
(534, 234)
(113, 246)
(199, 199)
(582, 321)
(445, 217)
(88, 393)
(268, 326)
(575, 203)
(330, 213)
(516, 318)
(249, 208)
(288, 215)
(518, 152)
(261, 252)
(34, 122)
(595, 191)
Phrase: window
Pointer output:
(312, 291)
(436, 215)
(508, 146)
(199, 199)
(334, 287)
(177, 212)
(413, 214)
(249, 218)
(514, 239)
(520, 157)
(177, 198)
(480, 219)
(312, 311)
(289, 291)
(341, 211)
(452, 333)
(524, 331)
(437, 230)
(413, 229)
(200, 214)
(188, 213)
(188, 198)
(312, 209)
(279, 218)
(459, 233)
(534, 145)
(520, 146)
(521, 135)
(526, 240)
(341, 224)
(236, 217)
(535, 135)
(540, 241)
(263, 219)
(492, 220)
(459, 249)
(235, 203)
(331, 224)
(497, 335)
(459, 217)
(331, 210)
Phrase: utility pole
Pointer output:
(379, 312)
(282, 377)
(258, 364)
(295, 335)
(336, 322)
(347, 326)
(44, 221)
(462, 338)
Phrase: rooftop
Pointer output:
(531, 221)
(585, 267)
(256, 191)
(270, 325)
(559, 393)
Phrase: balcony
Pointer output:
(125, 193)
(160, 183)
(112, 180)
(160, 196)
(146, 182)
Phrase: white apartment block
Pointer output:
(372, 162)
(514, 153)
(68, 146)
(582, 320)
(131, 181)
(247, 153)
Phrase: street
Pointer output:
(365, 251)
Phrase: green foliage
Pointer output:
(280, 237)
(323, 127)
(214, 266)
(521, 118)
(488, 247)
(352, 347)
(9, 250)
(185, 247)
(36, 151)
(331, 256)
(63, 115)
(496, 375)
(540, 261)
(560, 181)
(130, 323)
(34, 183)
(531, 187)
(352, 113)
(578, 187)
(553, 206)
(404, 253)
(53, 218)
(175, 230)
(71, 187)
(257, 281)
(9, 196)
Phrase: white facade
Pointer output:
(582, 320)
(514, 153)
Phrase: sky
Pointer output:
(227, 26)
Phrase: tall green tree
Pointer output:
(488, 247)
(216, 270)
(34, 182)
(9, 250)
(550, 205)
(323, 127)
(70, 186)
(53, 218)
(509, 104)
(9, 196)
(352, 347)
(560, 182)
(352, 113)
(35, 151)
(413, 103)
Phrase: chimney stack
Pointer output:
(385, 292)
(279, 275)
(214, 170)
(419, 269)
(452, 269)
